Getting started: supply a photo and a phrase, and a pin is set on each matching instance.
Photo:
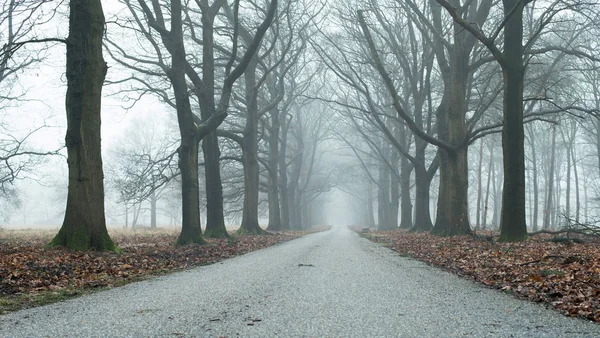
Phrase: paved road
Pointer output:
(330, 284)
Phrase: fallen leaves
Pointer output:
(563, 275)
(28, 267)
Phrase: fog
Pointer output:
(354, 153)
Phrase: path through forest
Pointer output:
(332, 284)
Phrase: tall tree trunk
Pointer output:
(370, 201)
(273, 186)
(487, 188)
(422, 211)
(188, 148)
(283, 179)
(250, 156)
(294, 194)
(497, 179)
(479, 185)
(558, 194)
(513, 225)
(153, 200)
(394, 190)
(137, 210)
(568, 191)
(215, 217)
(406, 221)
(453, 213)
(190, 192)
(577, 192)
(548, 211)
(84, 225)
(383, 195)
(534, 167)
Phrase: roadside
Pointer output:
(33, 275)
(328, 284)
(562, 273)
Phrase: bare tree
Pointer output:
(84, 226)
(183, 68)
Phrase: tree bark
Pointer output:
(215, 218)
(577, 192)
(479, 185)
(153, 200)
(394, 189)
(422, 212)
(273, 195)
(534, 168)
(487, 188)
(283, 178)
(250, 156)
(190, 193)
(188, 147)
(548, 210)
(84, 225)
(454, 180)
(406, 221)
(383, 193)
(513, 225)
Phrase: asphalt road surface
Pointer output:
(329, 284)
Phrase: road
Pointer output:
(329, 284)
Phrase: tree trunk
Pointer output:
(283, 179)
(153, 201)
(406, 221)
(84, 225)
(293, 194)
(456, 200)
(394, 190)
(479, 185)
(534, 167)
(250, 156)
(137, 210)
(568, 191)
(577, 192)
(453, 213)
(215, 218)
(513, 225)
(487, 188)
(370, 210)
(383, 196)
(422, 212)
(273, 194)
(497, 179)
(190, 193)
(550, 190)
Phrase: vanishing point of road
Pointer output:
(328, 284)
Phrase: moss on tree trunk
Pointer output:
(84, 225)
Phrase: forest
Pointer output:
(447, 117)
(430, 116)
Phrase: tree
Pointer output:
(190, 79)
(141, 164)
(84, 225)
(511, 59)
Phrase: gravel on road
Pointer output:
(329, 284)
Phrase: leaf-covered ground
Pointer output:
(32, 274)
(563, 275)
